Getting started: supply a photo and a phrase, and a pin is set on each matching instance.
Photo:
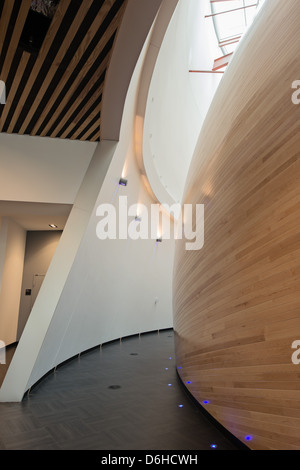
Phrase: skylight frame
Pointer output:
(228, 9)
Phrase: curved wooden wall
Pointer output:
(237, 301)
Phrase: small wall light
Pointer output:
(159, 240)
(123, 182)
(2, 92)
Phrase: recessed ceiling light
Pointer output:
(53, 226)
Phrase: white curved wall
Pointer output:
(112, 287)
(96, 291)
(12, 251)
(178, 100)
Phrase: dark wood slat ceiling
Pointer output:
(57, 92)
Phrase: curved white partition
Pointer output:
(96, 291)
(177, 100)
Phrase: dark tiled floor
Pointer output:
(74, 408)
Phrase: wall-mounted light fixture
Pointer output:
(138, 218)
(123, 182)
(2, 92)
(159, 240)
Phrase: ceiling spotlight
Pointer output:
(53, 226)
(37, 25)
(123, 182)
(45, 7)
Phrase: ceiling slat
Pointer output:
(23, 12)
(83, 134)
(95, 126)
(53, 30)
(57, 92)
(98, 78)
(5, 18)
(88, 112)
(56, 62)
(14, 88)
(111, 29)
(95, 136)
(82, 72)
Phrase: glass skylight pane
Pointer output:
(231, 19)
(231, 24)
(225, 6)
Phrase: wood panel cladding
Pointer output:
(56, 91)
(237, 301)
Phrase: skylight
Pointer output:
(231, 20)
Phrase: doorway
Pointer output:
(37, 282)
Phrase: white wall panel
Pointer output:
(40, 169)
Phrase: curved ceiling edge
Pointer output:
(147, 169)
(127, 48)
